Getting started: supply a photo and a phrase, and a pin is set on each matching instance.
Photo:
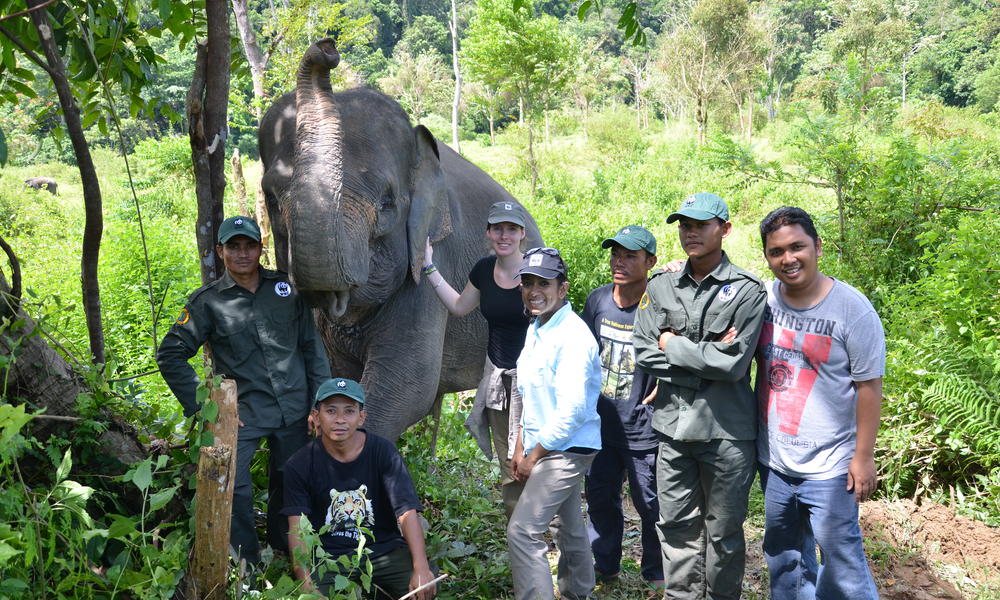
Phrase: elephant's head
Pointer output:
(365, 192)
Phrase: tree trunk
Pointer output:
(255, 58)
(208, 100)
(209, 568)
(93, 227)
(41, 378)
(239, 183)
(453, 25)
(493, 135)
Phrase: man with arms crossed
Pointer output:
(696, 330)
(821, 359)
(628, 443)
(263, 337)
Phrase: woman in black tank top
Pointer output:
(494, 287)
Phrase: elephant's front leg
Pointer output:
(403, 361)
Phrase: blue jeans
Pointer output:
(801, 513)
(604, 505)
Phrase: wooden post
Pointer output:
(209, 568)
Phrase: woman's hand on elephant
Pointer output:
(428, 253)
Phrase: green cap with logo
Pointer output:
(234, 226)
(702, 206)
(633, 237)
(340, 386)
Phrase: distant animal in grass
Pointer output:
(42, 183)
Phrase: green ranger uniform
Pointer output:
(705, 412)
(266, 341)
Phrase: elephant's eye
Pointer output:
(387, 202)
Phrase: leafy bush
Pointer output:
(942, 414)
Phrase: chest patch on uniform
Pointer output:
(184, 317)
(283, 289)
(644, 301)
(726, 293)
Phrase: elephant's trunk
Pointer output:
(325, 252)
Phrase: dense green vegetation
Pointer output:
(880, 118)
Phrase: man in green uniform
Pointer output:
(696, 330)
(262, 336)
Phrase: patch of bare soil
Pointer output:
(927, 552)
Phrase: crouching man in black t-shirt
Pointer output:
(349, 479)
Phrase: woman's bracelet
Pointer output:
(428, 269)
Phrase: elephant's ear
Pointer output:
(429, 216)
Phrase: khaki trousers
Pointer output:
(553, 488)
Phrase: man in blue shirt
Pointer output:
(559, 376)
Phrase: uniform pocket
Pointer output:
(717, 325)
(233, 343)
(676, 322)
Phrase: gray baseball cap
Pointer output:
(701, 207)
(506, 212)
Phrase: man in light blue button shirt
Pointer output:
(559, 375)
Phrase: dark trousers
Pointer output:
(604, 505)
(391, 574)
(282, 443)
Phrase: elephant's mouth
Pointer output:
(337, 304)
(333, 303)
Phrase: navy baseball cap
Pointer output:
(702, 206)
(543, 262)
(340, 386)
(234, 226)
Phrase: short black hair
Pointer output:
(787, 215)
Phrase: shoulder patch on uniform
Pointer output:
(184, 317)
(283, 289)
(644, 301)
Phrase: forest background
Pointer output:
(879, 116)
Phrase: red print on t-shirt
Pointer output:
(791, 374)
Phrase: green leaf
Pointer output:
(64, 467)
(13, 587)
(164, 7)
(210, 411)
(143, 475)
(207, 438)
(121, 527)
(341, 583)
(3, 149)
(581, 13)
(160, 499)
(7, 552)
(12, 419)
(201, 394)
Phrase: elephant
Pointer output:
(46, 183)
(354, 191)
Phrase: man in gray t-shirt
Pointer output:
(821, 358)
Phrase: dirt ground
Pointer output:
(926, 551)
(916, 552)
